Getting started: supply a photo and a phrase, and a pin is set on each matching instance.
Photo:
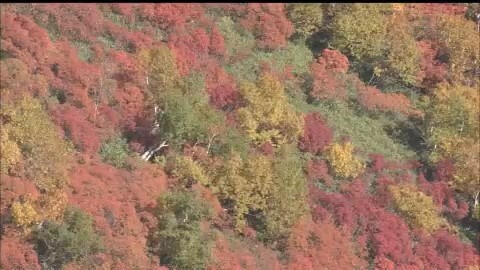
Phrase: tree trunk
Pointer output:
(151, 151)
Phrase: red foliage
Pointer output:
(14, 75)
(129, 70)
(267, 149)
(269, 24)
(320, 246)
(334, 60)
(76, 127)
(217, 42)
(378, 162)
(74, 21)
(14, 187)
(318, 170)
(131, 101)
(122, 205)
(443, 250)
(189, 49)
(316, 135)
(435, 9)
(22, 38)
(444, 171)
(390, 238)
(127, 10)
(432, 71)
(17, 255)
(242, 256)
(221, 86)
(355, 211)
(373, 99)
(326, 72)
(444, 196)
(171, 16)
(72, 75)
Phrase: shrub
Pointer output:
(418, 209)
(342, 161)
(179, 240)
(60, 243)
(114, 152)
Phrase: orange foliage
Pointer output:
(17, 255)
(269, 23)
(242, 255)
(373, 99)
(121, 204)
(320, 246)
(431, 71)
(435, 9)
(326, 71)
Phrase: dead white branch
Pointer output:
(152, 150)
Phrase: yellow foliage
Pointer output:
(268, 116)
(53, 205)
(454, 133)
(403, 56)
(459, 38)
(46, 154)
(342, 161)
(307, 18)
(418, 209)
(360, 30)
(159, 63)
(10, 152)
(247, 183)
(188, 171)
(25, 213)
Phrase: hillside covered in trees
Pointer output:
(240, 136)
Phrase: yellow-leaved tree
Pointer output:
(418, 209)
(10, 152)
(360, 30)
(247, 183)
(307, 18)
(342, 161)
(25, 213)
(453, 133)
(267, 116)
(46, 154)
(458, 39)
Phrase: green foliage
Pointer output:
(83, 50)
(287, 201)
(46, 154)
(366, 133)
(307, 18)
(296, 55)
(115, 151)
(180, 241)
(73, 240)
(236, 39)
(186, 120)
(231, 141)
